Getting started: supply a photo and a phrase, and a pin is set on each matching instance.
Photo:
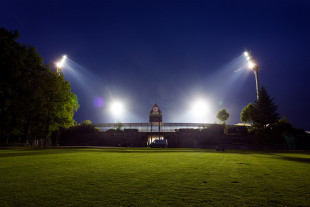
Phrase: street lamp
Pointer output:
(116, 108)
(60, 63)
(254, 66)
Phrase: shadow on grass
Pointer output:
(291, 158)
(35, 151)
(296, 159)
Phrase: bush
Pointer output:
(80, 135)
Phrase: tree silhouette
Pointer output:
(223, 115)
(34, 100)
(246, 113)
(265, 113)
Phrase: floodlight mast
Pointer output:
(256, 79)
(255, 67)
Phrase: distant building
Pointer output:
(155, 129)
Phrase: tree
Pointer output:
(265, 113)
(86, 123)
(10, 125)
(247, 113)
(223, 115)
(119, 126)
(34, 100)
(283, 127)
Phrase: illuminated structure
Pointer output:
(155, 128)
(155, 124)
(155, 118)
(174, 134)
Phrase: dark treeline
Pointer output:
(87, 135)
(35, 101)
(237, 137)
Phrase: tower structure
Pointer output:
(155, 118)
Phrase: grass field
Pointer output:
(152, 177)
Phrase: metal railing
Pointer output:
(146, 127)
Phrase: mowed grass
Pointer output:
(152, 177)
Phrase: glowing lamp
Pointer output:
(200, 107)
(60, 63)
(251, 65)
(200, 110)
(116, 107)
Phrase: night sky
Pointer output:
(172, 53)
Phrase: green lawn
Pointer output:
(152, 177)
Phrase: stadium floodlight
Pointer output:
(199, 107)
(200, 110)
(252, 65)
(61, 63)
(116, 109)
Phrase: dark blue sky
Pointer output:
(171, 53)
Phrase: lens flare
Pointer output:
(98, 102)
